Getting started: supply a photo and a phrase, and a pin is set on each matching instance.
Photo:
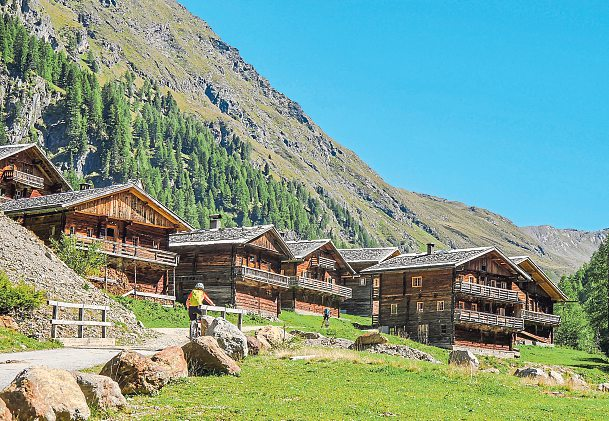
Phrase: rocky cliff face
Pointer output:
(576, 246)
(23, 257)
(161, 40)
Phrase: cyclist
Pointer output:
(197, 298)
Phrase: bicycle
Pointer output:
(195, 328)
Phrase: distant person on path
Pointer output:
(326, 321)
(196, 298)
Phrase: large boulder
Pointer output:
(556, 377)
(205, 322)
(137, 374)
(41, 393)
(254, 346)
(307, 335)
(5, 414)
(369, 339)
(464, 358)
(174, 358)
(535, 373)
(273, 336)
(8, 322)
(577, 382)
(229, 337)
(100, 391)
(204, 356)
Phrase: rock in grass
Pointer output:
(229, 337)
(137, 374)
(5, 414)
(174, 358)
(532, 372)
(41, 393)
(204, 356)
(273, 336)
(463, 358)
(100, 391)
(254, 346)
(603, 387)
(369, 339)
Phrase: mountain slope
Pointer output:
(160, 39)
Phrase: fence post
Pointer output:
(81, 317)
(104, 319)
(240, 321)
(55, 317)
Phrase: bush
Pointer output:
(20, 296)
(84, 262)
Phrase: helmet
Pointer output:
(200, 285)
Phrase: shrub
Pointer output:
(19, 296)
(84, 262)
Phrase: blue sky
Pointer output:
(501, 105)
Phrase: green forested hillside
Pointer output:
(129, 129)
(585, 321)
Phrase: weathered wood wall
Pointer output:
(309, 301)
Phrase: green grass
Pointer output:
(352, 385)
(11, 341)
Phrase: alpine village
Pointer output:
(161, 257)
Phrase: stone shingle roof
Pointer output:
(8, 150)
(367, 254)
(59, 200)
(73, 198)
(301, 249)
(440, 258)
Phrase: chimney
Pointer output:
(85, 186)
(215, 221)
(430, 247)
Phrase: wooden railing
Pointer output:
(323, 262)
(117, 249)
(489, 319)
(264, 276)
(24, 178)
(323, 286)
(542, 318)
(223, 311)
(491, 293)
(81, 322)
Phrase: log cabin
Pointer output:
(25, 171)
(122, 222)
(539, 298)
(457, 299)
(240, 267)
(316, 271)
(364, 287)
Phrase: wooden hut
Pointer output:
(122, 222)
(465, 298)
(240, 267)
(364, 287)
(316, 271)
(25, 171)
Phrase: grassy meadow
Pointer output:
(11, 341)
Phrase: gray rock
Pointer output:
(307, 335)
(402, 351)
(229, 337)
(557, 377)
(532, 372)
(463, 358)
(603, 387)
(100, 391)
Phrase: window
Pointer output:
(72, 230)
(102, 233)
(52, 231)
(471, 279)
(474, 307)
(443, 329)
(376, 282)
(110, 232)
(440, 305)
(461, 305)
(417, 281)
(503, 284)
(460, 278)
(394, 309)
(18, 194)
(420, 306)
(501, 311)
(155, 244)
(252, 259)
(493, 283)
(136, 241)
(89, 232)
(362, 282)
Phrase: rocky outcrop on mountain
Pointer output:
(23, 257)
(575, 245)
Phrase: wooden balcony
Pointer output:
(487, 292)
(322, 286)
(540, 318)
(264, 276)
(23, 178)
(323, 262)
(489, 319)
(128, 251)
